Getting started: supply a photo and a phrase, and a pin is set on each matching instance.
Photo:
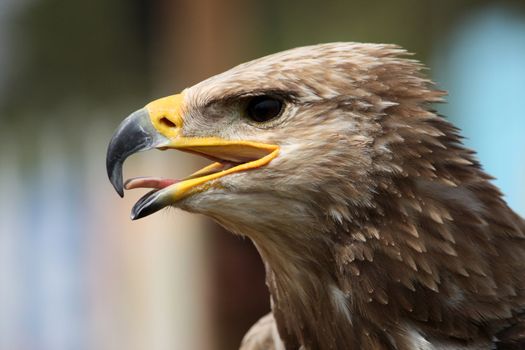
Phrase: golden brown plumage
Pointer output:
(378, 228)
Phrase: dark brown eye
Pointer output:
(264, 108)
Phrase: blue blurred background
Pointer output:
(75, 273)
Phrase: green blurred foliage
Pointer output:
(86, 52)
(414, 24)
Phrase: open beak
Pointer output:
(159, 125)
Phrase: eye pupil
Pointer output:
(264, 108)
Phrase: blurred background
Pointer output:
(75, 272)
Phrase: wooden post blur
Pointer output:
(195, 39)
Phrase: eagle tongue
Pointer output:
(148, 182)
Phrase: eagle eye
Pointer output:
(264, 108)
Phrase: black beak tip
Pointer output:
(114, 170)
(117, 185)
(148, 204)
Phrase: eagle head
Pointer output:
(294, 137)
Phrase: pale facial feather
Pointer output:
(326, 133)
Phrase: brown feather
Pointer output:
(378, 228)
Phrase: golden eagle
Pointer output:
(377, 227)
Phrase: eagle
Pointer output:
(377, 227)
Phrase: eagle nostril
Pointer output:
(166, 122)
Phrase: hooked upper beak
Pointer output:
(159, 125)
(136, 133)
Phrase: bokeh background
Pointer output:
(75, 272)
